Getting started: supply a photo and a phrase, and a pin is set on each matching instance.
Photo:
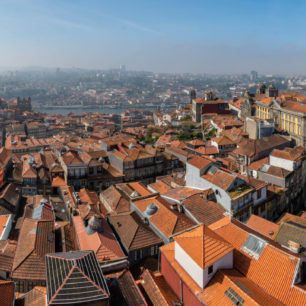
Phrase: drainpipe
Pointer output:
(181, 301)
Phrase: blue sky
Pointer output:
(217, 36)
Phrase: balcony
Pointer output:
(74, 177)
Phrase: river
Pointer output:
(65, 111)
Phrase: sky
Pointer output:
(197, 36)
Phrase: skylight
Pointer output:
(254, 246)
(234, 296)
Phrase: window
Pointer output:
(152, 251)
(254, 246)
(234, 296)
(210, 269)
(259, 194)
(91, 170)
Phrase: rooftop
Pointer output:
(203, 245)
(75, 277)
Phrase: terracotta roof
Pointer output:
(181, 193)
(133, 232)
(157, 289)
(245, 288)
(262, 226)
(203, 245)
(220, 178)
(295, 106)
(251, 147)
(10, 194)
(127, 291)
(164, 139)
(115, 200)
(208, 150)
(7, 253)
(70, 158)
(258, 164)
(255, 183)
(36, 239)
(176, 179)
(3, 222)
(276, 171)
(160, 187)
(104, 243)
(236, 103)
(178, 144)
(206, 212)
(7, 290)
(165, 219)
(289, 153)
(28, 171)
(222, 140)
(199, 162)
(287, 217)
(36, 297)
(274, 260)
(223, 280)
(196, 142)
(5, 156)
(58, 181)
(133, 189)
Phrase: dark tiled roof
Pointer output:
(157, 289)
(36, 239)
(75, 277)
(6, 293)
(126, 292)
(133, 232)
(204, 211)
(36, 297)
(7, 253)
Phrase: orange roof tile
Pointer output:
(3, 222)
(58, 181)
(104, 244)
(203, 245)
(262, 226)
(199, 162)
(168, 221)
(274, 261)
(160, 187)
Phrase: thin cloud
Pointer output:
(130, 24)
(136, 26)
(69, 24)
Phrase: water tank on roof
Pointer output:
(132, 145)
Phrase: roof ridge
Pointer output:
(137, 229)
(63, 283)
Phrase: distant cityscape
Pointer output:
(117, 90)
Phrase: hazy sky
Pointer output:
(216, 36)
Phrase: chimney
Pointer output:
(294, 246)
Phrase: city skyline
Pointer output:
(176, 36)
